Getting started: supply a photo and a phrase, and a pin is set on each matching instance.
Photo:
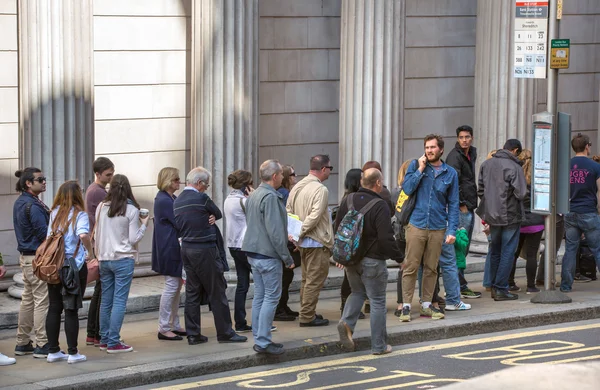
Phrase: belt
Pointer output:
(28, 253)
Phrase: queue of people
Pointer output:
(431, 241)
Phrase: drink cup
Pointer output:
(144, 213)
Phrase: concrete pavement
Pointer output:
(153, 360)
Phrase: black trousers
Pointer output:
(530, 242)
(93, 320)
(560, 234)
(287, 278)
(55, 309)
(204, 272)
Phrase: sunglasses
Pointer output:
(177, 179)
(293, 174)
(330, 167)
(40, 179)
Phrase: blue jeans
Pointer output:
(242, 269)
(467, 221)
(575, 225)
(368, 279)
(116, 277)
(267, 291)
(504, 244)
(450, 274)
(487, 273)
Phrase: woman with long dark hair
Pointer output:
(166, 254)
(351, 185)
(284, 312)
(69, 217)
(118, 229)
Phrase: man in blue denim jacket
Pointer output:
(432, 223)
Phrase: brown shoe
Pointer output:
(345, 335)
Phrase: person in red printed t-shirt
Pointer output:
(104, 169)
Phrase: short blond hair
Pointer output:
(165, 177)
(402, 171)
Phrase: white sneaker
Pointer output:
(77, 358)
(6, 361)
(459, 306)
(56, 357)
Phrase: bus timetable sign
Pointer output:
(530, 39)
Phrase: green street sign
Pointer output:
(560, 43)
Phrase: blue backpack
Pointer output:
(347, 237)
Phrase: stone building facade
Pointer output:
(229, 83)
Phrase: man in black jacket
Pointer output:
(463, 158)
(502, 189)
(368, 278)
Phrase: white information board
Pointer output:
(542, 161)
(530, 39)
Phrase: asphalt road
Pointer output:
(417, 366)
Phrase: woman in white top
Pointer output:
(118, 230)
(235, 219)
(68, 216)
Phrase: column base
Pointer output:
(16, 290)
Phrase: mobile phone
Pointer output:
(244, 190)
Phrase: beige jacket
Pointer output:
(308, 200)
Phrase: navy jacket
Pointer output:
(166, 252)
(30, 229)
(192, 210)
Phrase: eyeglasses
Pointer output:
(330, 167)
(177, 179)
(293, 174)
(205, 184)
(40, 179)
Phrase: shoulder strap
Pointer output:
(349, 201)
(28, 211)
(369, 205)
(242, 205)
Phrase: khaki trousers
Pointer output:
(426, 246)
(34, 306)
(315, 268)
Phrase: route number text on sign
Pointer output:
(530, 39)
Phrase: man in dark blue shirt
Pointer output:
(195, 215)
(30, 220)
(583, 216)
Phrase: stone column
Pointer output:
(371, 85)
(55, 93)
(224, 89)
(55, 90)
(503, 104)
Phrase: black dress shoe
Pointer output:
(174, 338)
(180, 332)
(362, 316)
(291, 312)
(319, 316)
(236, 338)
(194, 340)
(316, 322)
(270, 349)
(283, 317)
(505, 296)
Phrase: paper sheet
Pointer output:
(294, 226)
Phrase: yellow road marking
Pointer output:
(515, 350)
(303, 377)
(416, 383)
(400, 374)
(364, 358)
(513, 362)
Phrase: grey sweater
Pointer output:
(266, 219)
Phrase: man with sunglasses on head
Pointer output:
(309, 200)
(30, 220)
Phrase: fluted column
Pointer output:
(224, 89)
(55, 89)
(503, 103)
(371, 79)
